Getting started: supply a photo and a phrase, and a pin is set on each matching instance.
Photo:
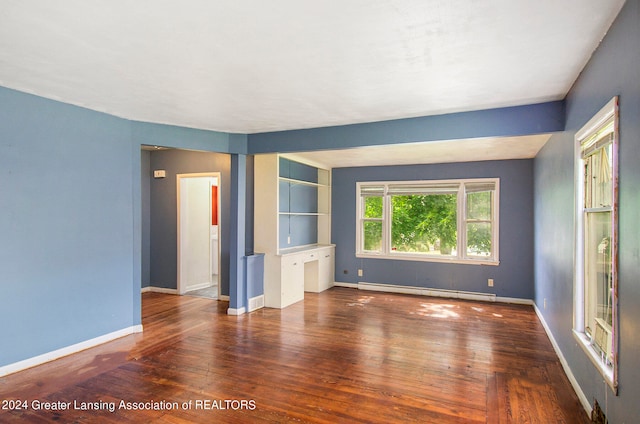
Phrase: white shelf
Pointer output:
(302, 182)
(303, 213)
(289, 271)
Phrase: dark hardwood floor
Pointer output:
(342, 356)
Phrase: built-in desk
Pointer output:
(309, 268)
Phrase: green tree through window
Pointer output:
(424, 223)
(479, 220)
(451, 219)
(373, 223)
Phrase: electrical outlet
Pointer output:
(544, 303)
(288, 239)
(490, 282)
(359, 273)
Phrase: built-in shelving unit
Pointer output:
(292, 227)
(303, 204)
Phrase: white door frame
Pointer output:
(179, 177)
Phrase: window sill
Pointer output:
(421, 258)
(605, 370)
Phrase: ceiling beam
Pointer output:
(515, 121)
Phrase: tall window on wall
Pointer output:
(443, 221)
(597, 239)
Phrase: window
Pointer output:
(596, 239)
(446, 221)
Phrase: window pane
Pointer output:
(424, 224)
(479, 214)
(598, 272)
(372, 236)
(479, 239)
(372, 207)
(479, 205)
(596, 239)
(598, 179)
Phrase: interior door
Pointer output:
(195, 267)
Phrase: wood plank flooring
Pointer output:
(341, 356)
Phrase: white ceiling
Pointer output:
(467, 150)
(255, 65)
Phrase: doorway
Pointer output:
(198, 203)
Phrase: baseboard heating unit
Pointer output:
(455, 294)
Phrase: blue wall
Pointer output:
(66, 220)
(613, 70)
(145, 194)
(511, 121)
(72, 201)
(513, 277)
(163, 211)
(187, 138)
(297, 230)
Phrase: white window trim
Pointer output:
(609, 372)
(462, 257)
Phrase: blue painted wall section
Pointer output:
(297, 230)
(145, 193)
(237, 251)
(66, 223)
(163, 211)
(513, 277)
(72, 209)
(254, 275)
(614, 69)
(513, 121)
(186, 138)
(137, 228)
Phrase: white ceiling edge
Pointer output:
(432, 152)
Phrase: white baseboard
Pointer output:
(565, 365)
(234, 311)
(59, 353)
(147, 289)
(158, 290)
(455, 294)
(423, 291)
(199, 286)
(347, 285)
(515, 300)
